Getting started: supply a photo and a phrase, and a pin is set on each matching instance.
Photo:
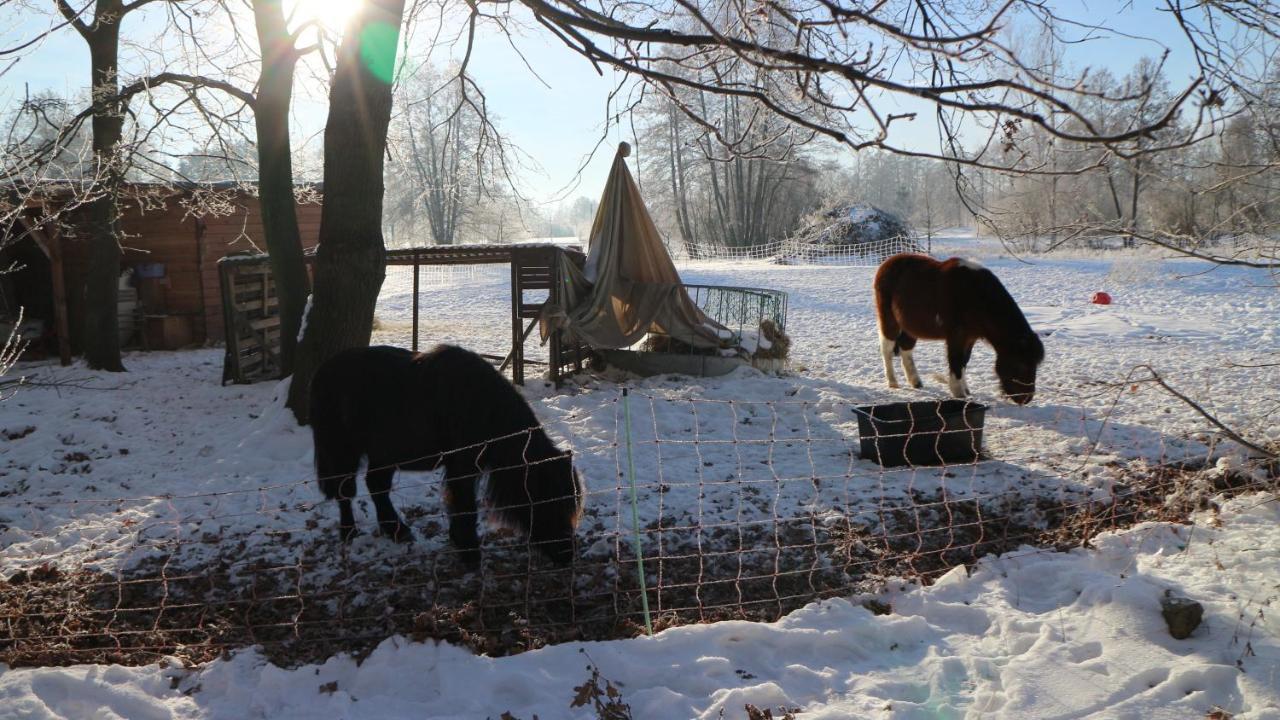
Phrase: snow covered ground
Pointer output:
(746, 485)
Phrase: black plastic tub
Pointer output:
(934, 432)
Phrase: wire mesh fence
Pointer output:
(481, 321)
(736, 509)
(740, 308)
(794, 252)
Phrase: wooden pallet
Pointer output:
(251, 316)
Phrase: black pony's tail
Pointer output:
(333, 465)
(337, 455)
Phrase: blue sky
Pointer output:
(558, 123)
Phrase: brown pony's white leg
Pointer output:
(909, 368)
(886, 350)
(958, 352)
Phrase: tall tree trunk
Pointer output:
(351, 259)
(1115, 197)
(1131, 241)
(679, 186)
(275, 174)
(101, 331)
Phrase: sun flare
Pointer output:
(332, 14)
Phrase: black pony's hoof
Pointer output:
(917, 385)
(560, 551)
(348, 533)
(465, 541)
(398, 532)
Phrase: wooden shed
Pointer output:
(173, 238)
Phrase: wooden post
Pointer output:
(577, 259)
(61, 326)
(517, 343)
(554, 351)
(204, 300)
(264, 343)
(415, 300)
(231, 370)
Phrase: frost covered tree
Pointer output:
(449, 163)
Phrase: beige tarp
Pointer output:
(629, 286)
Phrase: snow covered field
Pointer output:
(160, 490)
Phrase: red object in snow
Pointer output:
(1101, 298)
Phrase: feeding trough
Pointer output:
(934, 432)
(647, 364)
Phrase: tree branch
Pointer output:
(73, 17)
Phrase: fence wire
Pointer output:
(794, 252)
(742, 510)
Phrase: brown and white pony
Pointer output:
(961, 302)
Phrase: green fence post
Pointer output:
(635, 513)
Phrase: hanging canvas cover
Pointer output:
(629, 285)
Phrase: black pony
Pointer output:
(447, 407)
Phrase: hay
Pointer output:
(848, 226)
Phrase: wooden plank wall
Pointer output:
(226, 235)
(159, 231)
(74, 262)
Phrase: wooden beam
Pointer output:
(61, 326)
(416, 268)
(37, 237)
(232, 368)
(554, 359)
(204, 300)
(517, 340)
(511, 355)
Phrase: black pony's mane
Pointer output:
(527, 472)
(482, 408)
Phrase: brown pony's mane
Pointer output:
(961, 302)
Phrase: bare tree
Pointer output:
(711, 196)
(1213, 198)
(280, 54)
(854, 74)
(101, 33)
(449, 162)
(833, 67)
(95, 191)
(10, 350)
(113, 161)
